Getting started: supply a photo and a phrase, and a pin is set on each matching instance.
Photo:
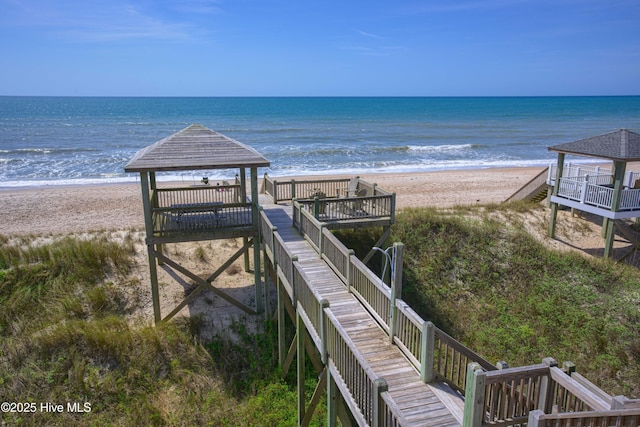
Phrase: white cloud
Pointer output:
(101, 21)
(373, 36)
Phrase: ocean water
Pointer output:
(68, 140)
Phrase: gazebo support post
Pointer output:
(153, 196)
(619, 171)
(256, 241)
(554, 206)
(243, 196)
(147, 195)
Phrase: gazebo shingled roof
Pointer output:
(193, 148)
(622, 145)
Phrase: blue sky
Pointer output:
(319, 48)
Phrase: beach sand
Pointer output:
(71, 209)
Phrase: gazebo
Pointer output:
(610, 193)
(199, 212)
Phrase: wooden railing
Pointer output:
(310, 306)
(201, 217)
(308, 228)
(504, 397)
(291, 189)
(199, 209)
(283, 190)
(572, 170)
(226, 194)
(326, 209)
(508, 397)
(336, 254)
(613, 418)
(374, 295)
(365, 393)
(582, 191)
(532, 188)
(283, 260)
(330, 198)
(267, 234)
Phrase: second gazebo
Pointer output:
(610, 193)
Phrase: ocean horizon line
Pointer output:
(321, 96)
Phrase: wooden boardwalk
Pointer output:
(420, 404)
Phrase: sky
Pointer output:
(319, 48)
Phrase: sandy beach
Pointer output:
(68, 209)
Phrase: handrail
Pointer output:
(375, 203)
(571, 396)
(201, 217)
(504, 397)
(310, 228)
(452, 358)
(348, 208)
(337, 349)
(336, 255)
(616, 417)
(267, 234)
(359, 381)
(410, 336)
(311, 303)
(581, 190)
(288, 190)
(284, 264)
(531, 188)
(389, 413)
(577, 170)
(200, 194)
(508, 396)
(593, 388)
(371, 291)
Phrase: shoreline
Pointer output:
(76, 208)
(105, 183)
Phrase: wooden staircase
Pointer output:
(534, 191)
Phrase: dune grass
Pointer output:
(494, 287)
(67, 337)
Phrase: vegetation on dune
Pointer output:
(67, 339)
(507, 296)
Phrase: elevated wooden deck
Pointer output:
(590, 189)
(416, 402)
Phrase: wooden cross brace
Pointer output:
(202, 283)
